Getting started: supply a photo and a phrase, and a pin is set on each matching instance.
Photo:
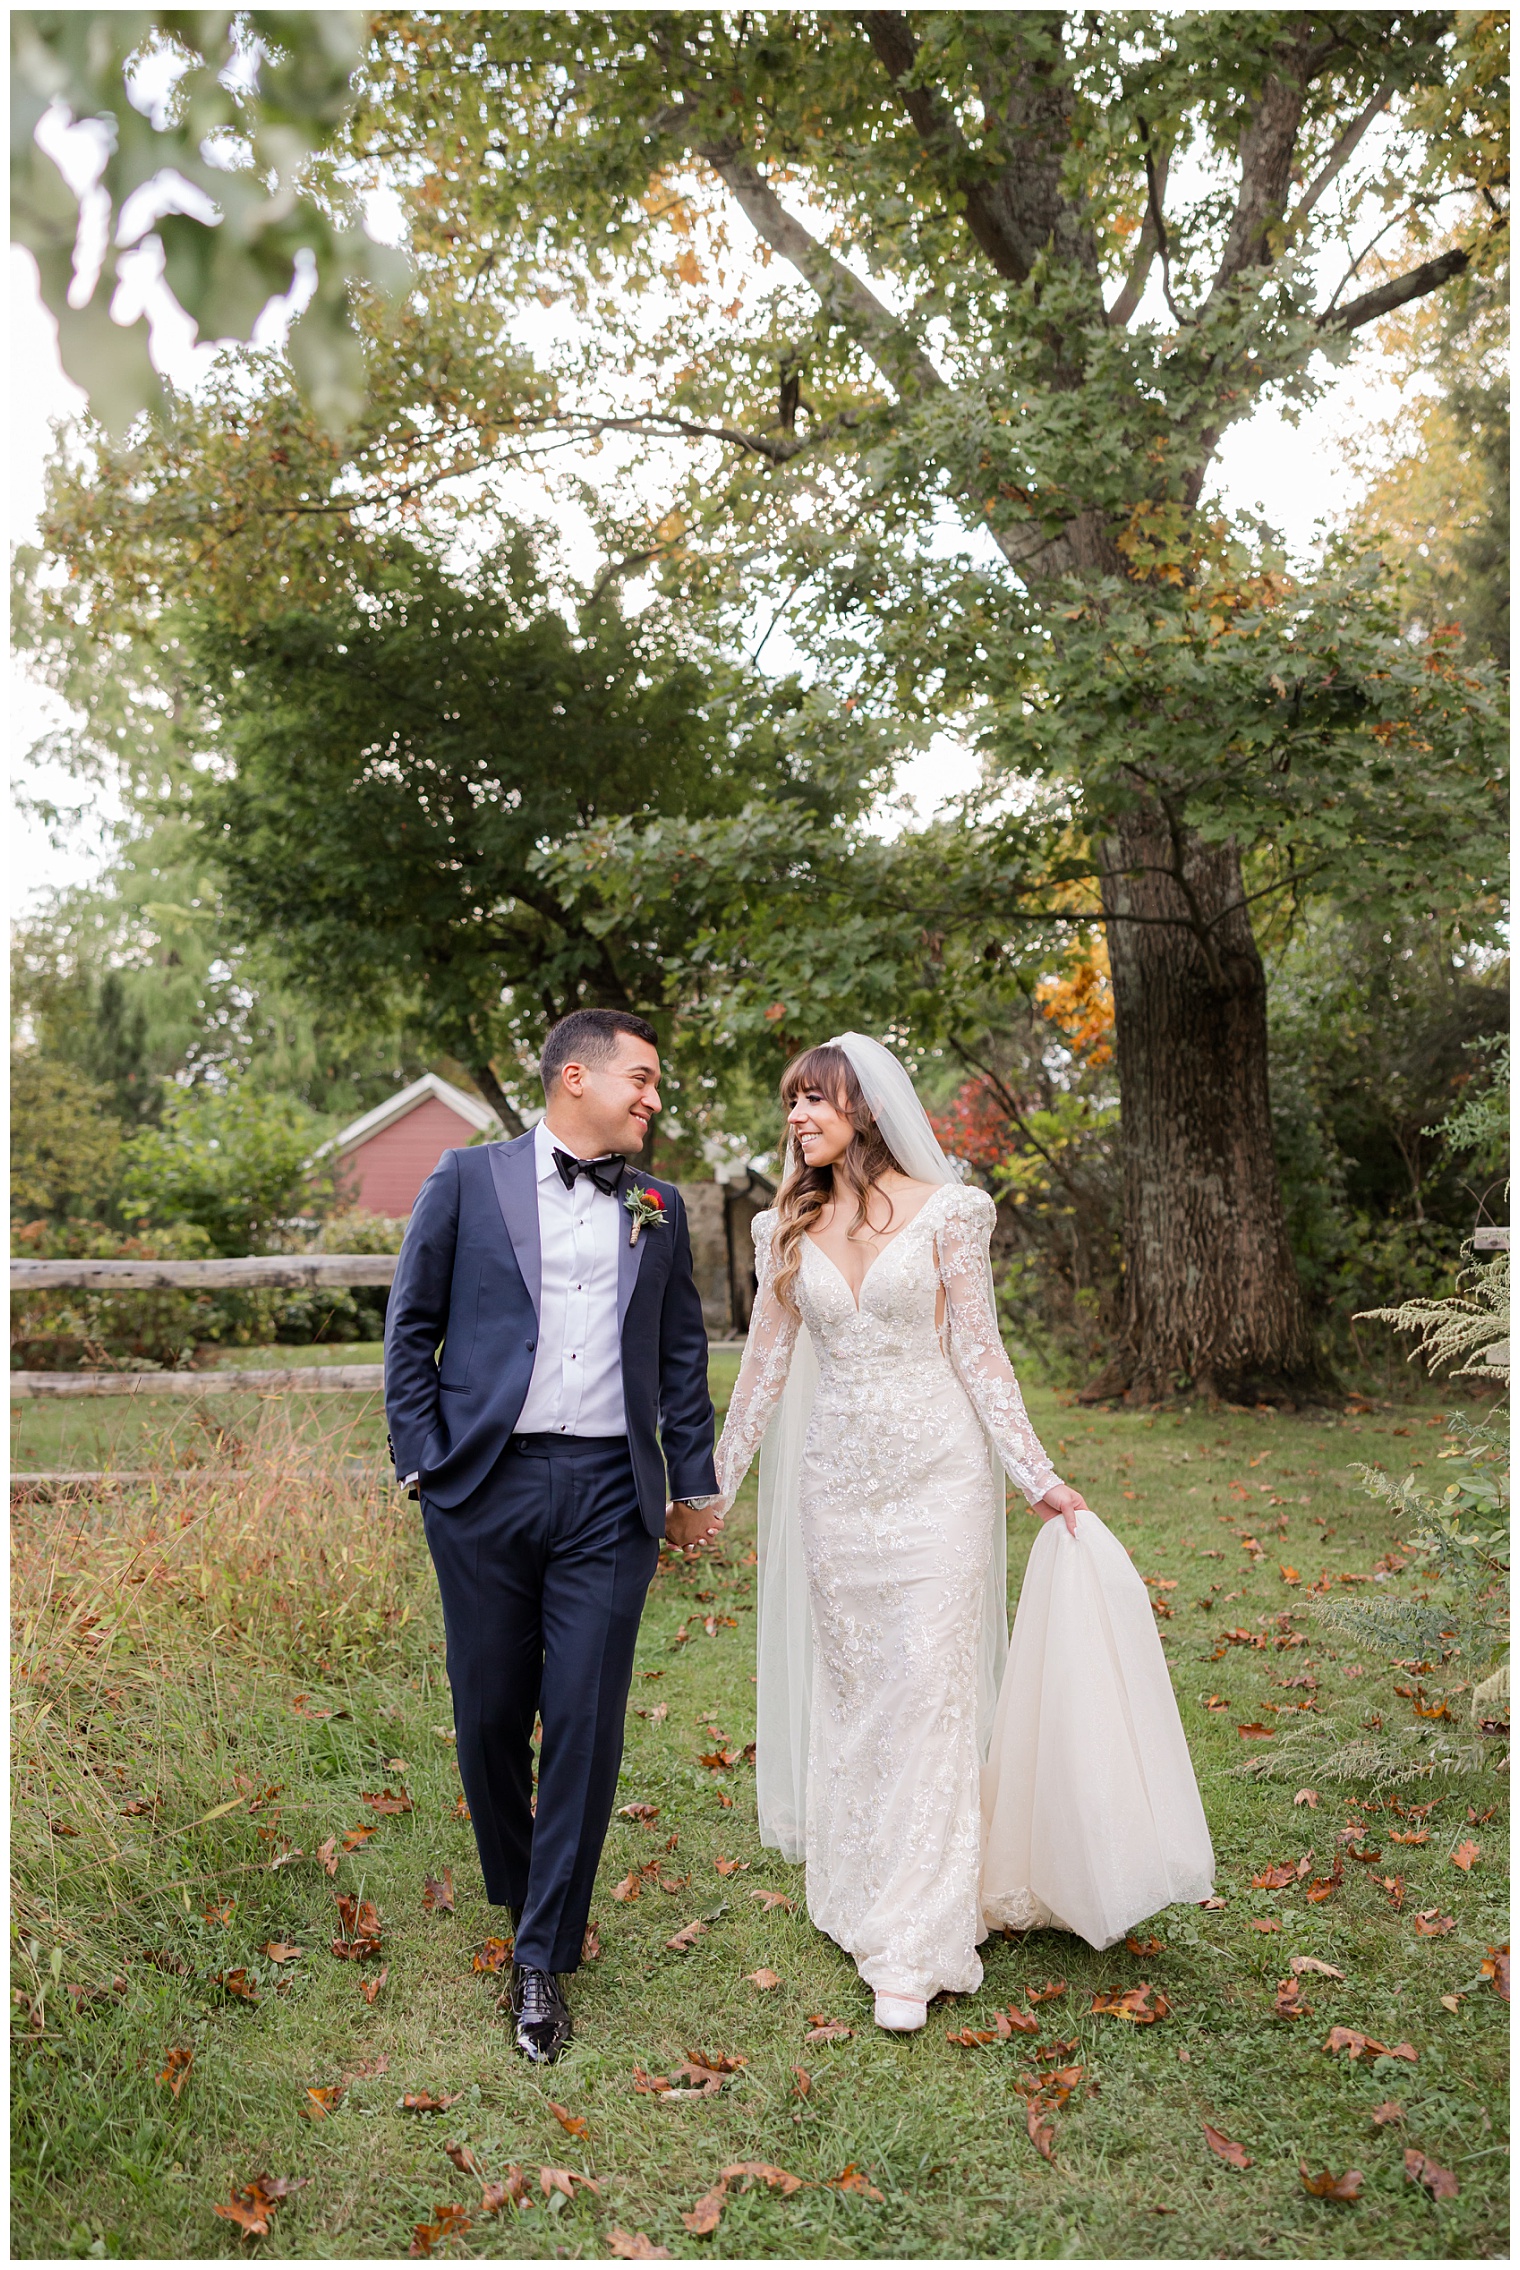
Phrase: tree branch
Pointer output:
(960, 169)
(1266, 160)
(1016, 1116)
(1415, 284)
(1340, 151)
(496, 1096)
(1133, 287)
(850, 303)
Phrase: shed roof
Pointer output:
(372, 1123)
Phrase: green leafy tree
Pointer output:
(957, 218)
(65, 1144)
(937, 430)
(399, 759)
(224, 108)
(236, 1165)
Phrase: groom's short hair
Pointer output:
(589, 1036)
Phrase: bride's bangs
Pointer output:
(827, 1069)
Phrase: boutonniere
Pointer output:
(647, 1208)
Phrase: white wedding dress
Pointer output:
(1085, 1814)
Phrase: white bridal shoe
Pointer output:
(900, 2014)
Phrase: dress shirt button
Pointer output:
(531, 1345)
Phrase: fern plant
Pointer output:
(1460, 1545)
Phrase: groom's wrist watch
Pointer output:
(696, 1505)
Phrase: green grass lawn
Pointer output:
(176, 1654)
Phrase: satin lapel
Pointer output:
(513, 1172)
(629, 1259)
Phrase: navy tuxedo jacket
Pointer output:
(468, 1277)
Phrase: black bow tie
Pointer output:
(605, 1173)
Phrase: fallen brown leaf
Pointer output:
(238, 1984)
(370, 1987)
(1362, 2045)
(1327, 2186)
(1495, 1968)
(1298, 1964)
(565, 2180)
(1055, 1988)
(252, 2207)
(768, 1900)
(354, 1838)
(281, 1951)
(438, 1893)
(327, 1853)
(1288, 2002)
(591, 1944)
(1041, 2134)
(1134, 2005)
(507, 2190)
(804, 2081)
(851, 2179)
(729, 1867)
(764, 1979)
(827, 2029)
(1262, 1923)
(1430, 1923)
(423, 2101)
(1277, 1878)
(177, 2064)
(493, 1957)
(648, 1814)
(686, 1938)
(448, 2219)
(571, 2122)
(1389, 2110)
(635, 2246)
(1438, 2181)
(320, 2102)
(1256, 1733)
(1309, 1797)
(386, 1800)
(1466, 1853)
(1234, 2155)
(360, 1937)
(463, 2158)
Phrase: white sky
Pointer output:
(1297, 476)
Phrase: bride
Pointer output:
(931, 1803)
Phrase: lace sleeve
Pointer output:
(762, 1375)
(976, 1347)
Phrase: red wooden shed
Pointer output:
(388, 1155)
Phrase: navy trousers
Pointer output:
(543, 1571)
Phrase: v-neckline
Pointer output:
(892, 1240)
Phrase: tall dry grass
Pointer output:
(162, 1633)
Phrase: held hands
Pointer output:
(689, 1526)
(1061, 1503)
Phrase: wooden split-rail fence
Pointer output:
(259, 1272)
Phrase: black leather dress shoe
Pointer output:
(541, 2012)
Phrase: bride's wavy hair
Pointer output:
(807, 1190)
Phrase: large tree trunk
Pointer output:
(1212, 1299)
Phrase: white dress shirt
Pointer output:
(577, 1383)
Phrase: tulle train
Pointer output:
(1090, 1811)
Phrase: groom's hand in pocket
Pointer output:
(1062, 1503)
(689, 1525)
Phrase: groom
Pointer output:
(543, 1319)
